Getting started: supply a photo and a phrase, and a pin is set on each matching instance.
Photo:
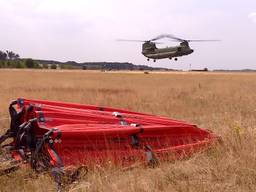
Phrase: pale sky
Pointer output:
(86, 30)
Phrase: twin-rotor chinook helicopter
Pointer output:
(150, 50)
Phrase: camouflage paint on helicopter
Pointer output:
(150, 51)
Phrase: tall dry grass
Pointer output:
(224, 103)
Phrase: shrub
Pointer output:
(29, 63)
(53, 66)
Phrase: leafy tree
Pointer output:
(11, 55)
(9, 59)
(3, 56)
(16, 56)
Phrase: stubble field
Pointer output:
(222, 102)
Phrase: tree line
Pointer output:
(10, 59)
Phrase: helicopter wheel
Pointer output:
(147, 59)
(170, 58)
(176, 59)
(154, 60)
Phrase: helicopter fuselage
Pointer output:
(150, 51)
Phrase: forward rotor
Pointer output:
(174, 38)
(154, 40)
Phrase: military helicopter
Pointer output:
(150, 50)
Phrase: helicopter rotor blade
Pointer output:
(140, 41)
(163, 36)
(168, 36)
(156, 38)
(130, 40)
(203, 40)
(158, 42)
(197, 40)
(174, 38)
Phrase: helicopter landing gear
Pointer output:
(175, 59)
(170, 58)
(147, 59)
(154, 60)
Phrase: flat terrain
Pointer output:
(222, 102)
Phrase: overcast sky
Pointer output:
(86, 30)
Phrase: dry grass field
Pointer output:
(222, 102)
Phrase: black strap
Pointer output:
(135, 139)
(15, 118)
(50, 141)
(41, 119)
(101, 109)
(25, 134)
(20, 101)
(151, 157)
